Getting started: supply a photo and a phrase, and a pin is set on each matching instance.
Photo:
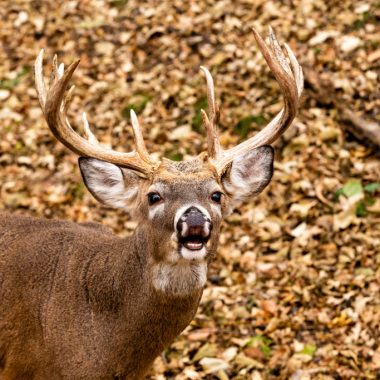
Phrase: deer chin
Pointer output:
(192, 254)
(193, 247)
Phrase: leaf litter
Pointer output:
(294, 291)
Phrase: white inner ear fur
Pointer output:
(249, 174)
(107, 183)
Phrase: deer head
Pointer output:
(178, 204)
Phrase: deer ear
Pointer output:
(249, 174)
(108, 183)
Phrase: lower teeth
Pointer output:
(194, 246)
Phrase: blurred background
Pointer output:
(294, 291)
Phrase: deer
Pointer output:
(77, 301)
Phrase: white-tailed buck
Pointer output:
(76, 301)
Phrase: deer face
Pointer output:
(183, 203)
(180, 205)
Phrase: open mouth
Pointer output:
(193, 232)
(193, 242)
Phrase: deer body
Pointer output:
(85, 309)
(78, 302)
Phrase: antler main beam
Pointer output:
(290, 80)
(55, 101)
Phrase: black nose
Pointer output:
(194, 222)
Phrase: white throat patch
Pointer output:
(181, 278)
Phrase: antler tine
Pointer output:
(39, 79)
(54, 70)
(210, 122)
(87, 130)
(296, 68)
(290, 80)
(54, 103)
(139, 140)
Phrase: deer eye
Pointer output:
(153, 198)
(216, 196)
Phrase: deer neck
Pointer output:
(168, 274)
(133, 272)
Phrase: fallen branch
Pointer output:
(323, 91)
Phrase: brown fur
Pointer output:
(78, 302)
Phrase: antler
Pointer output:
(290, 79)
(55, 102)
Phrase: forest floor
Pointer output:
(295, 290)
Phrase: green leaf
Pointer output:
(196, 122)
(309, 349)
(8, 84)
(174, 156)
(138, 103)
(361, 210)
(265, 350)
(90, 24)
(337, 194)
(118, 3)
(19, 146)
(207, 350)
(255, 339)
(261, 342)
(372, 187)
(352, 188)
(369, 201)
(77, 190)
(364, 272)
(244, 125)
